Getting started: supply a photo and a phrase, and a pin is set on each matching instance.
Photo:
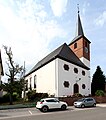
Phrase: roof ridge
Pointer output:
(63, 47)
(71, 52)
(51, 55)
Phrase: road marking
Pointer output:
(30, 112)
(34, 112)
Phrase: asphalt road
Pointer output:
(97, 113)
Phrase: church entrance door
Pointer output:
(76, 88)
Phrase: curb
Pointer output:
(101, 105)
(16, 106)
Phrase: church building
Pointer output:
(66, 70)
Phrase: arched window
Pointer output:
(86, 44)
(26, 87)
(75, 45)
(30, 83)
(35, 81)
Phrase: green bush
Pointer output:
(15, 96)
(5, 98)
(77, 95)
(99, 93)
(32, 95)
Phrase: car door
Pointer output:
(91, 102)
(88, 102)
(53, 103)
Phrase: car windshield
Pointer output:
(56, 100)
(41, 100)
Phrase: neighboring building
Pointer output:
(66, 70)
(1, 67)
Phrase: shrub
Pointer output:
(44, 95)
(5, 98)
(77, 95)
(15, 96)
(32, 95)
(99, 93)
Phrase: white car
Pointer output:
(50, 103)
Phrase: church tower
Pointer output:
(80, 45)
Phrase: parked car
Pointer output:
(50, 103)
(85, 102)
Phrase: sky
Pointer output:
(34, 28)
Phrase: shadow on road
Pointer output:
(4, 115)
(59, 110)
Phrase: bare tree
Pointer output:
(13, 71)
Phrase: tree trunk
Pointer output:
(11, 99)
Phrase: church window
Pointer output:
(75, 45)
(75, 70)
(26, 85)
(35, 81)
(66, 67)
(86, 44)
(30, 83)
(83, 86)
(66, 84)
(83, 72)
(86, 49)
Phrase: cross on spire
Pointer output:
(79, 29)
(78, 8)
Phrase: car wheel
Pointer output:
(44, 109)
(94, 105)
(63, 107)
(82, 105)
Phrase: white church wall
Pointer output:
(45, 79)
(56, 77)
(72, 78)
(51, 77)
(85, 80)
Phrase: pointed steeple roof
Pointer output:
(79, 29)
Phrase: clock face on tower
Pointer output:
(86, 49)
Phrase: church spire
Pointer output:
(79, 29)
(80, 45)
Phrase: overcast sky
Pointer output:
(34, 28)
